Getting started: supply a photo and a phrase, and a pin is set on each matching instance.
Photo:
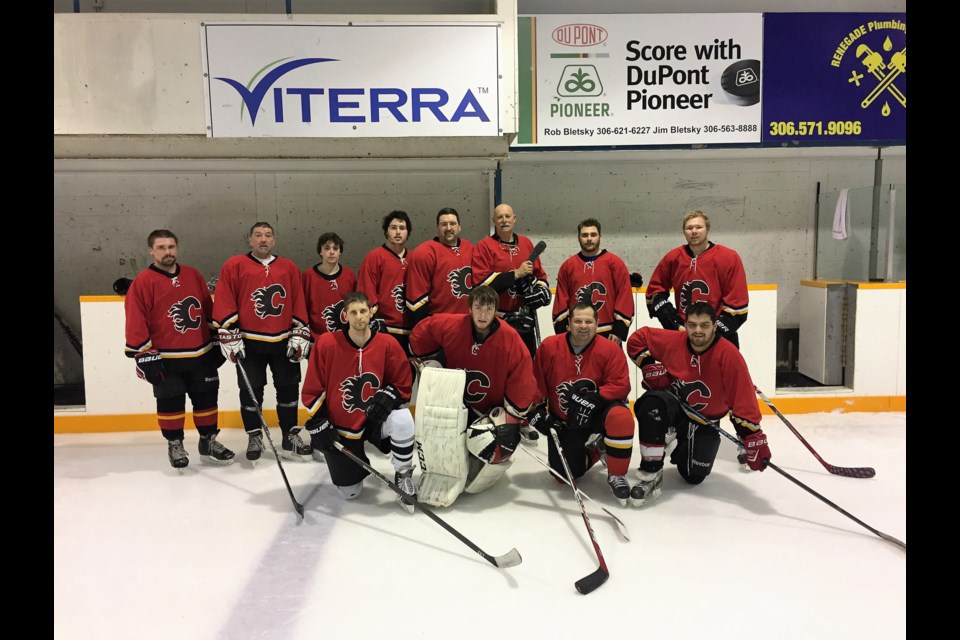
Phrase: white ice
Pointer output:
(142, 551)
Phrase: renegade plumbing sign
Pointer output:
(639, 79)
(348, 80)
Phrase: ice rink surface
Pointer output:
(142, 551)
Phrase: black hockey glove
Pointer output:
(542, 421)
(382, 403)
(581, 410)
(150, 366)
(667, 314)
(520, 320)
(536, 297)
(322, 433)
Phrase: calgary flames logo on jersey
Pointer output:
(263, 300)
(693, 393)
(333, 316)
(592, 294)
(182, 314)
(398, 297)
(352, 391)
(581, 386)
(458, 281)
(476, 388)
(689, 288)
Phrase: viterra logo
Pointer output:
(579, 35)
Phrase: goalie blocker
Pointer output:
(454, 456)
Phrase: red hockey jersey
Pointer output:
(324, 296)
(493, 265)
(382, 277)
(438, 279)
(604, 282)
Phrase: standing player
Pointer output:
(438, 277)
(168, 318)
(500, 261)
(343, 368)
(705, 373)
(262, 319)
(325, 284)
(382, 277)
(586, 383)
(599, 278)
(699, 270)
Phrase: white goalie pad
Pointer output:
(441, 424)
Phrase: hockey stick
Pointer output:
(71, 336)
(848, 472)
(509, 559)
(263, 423)
(537, 250)
(588, 583)
(622, 527)
(699, 418)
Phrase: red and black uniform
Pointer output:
(599, 369)
(494, 262)
(499, 369)
(604, 282)
(715, 382)
(324, 296)
(173, 313)
(438, 279)
(382, 277)
(265, 301)
(715, 276)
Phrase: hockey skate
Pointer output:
(404, 480)
(529, 435)
(213, 452)
(177, 454)
(620, 488)
(293, 447)
(648, 489)
(254, 445)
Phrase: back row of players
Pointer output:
(467, 308)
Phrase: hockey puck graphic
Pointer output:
(741, 81)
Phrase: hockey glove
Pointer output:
(322, 433)
(757, 450)
(231, 344)
(382, 403)
(536, 297)
(655, 377)
(636, 280)
(150, 366)
(298, 344)
(581, 409)
(667, 314)
(520, 320)
(540, 419)
(378, 324)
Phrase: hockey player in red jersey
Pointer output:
(438, 274)
(356, 382)
(598, 277)
(325, 284)
(708, 374)
(699, 270)
(585, 383)
(382, 276)
(169, 314)
(262, 319)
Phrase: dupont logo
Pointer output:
(579, 35)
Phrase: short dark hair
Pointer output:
(590, 222)
(355, 296)
(396, 215)
(448, 211)
(260, 224)
(484, 296)
(329, 236)
(702, 308)
(583, 305)
(160, 233)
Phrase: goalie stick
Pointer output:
(622, 527)
(509, 559)
(848, 472)
(699, 418)
(590, 582)
(263, 424)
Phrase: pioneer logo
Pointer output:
(579, 35)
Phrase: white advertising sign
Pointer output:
(342, 80)
(641, 79)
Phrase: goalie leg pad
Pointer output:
(440, 433)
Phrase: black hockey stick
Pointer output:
(699, 418)
(71, 336)
(848, 472)
(263, 424)
(622, 527)
(509, 559)
(588, 583)
(537, 250)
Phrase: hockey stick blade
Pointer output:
(509, 559)
(587, 584)
(847, 472)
